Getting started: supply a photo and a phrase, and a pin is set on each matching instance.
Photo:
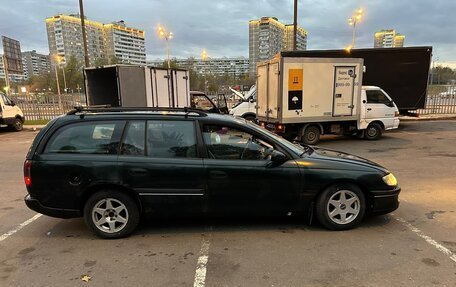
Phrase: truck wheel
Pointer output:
(111, 214)
(250, 118)
(340, 207)
(311, 135)
(373, 131)
(18, 125)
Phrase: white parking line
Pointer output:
(22, 225)
(200, 273)
(428, 239)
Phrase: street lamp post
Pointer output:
(58, 85)
(163, 34)
(352, 21)
(233, 65)
(204, 58)
(433, 69)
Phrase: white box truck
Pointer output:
(304, 98)
(10, 114)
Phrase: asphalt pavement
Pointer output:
(414, 246)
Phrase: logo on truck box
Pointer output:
(295, 86)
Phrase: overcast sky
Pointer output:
(221, 26)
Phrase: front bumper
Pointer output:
(35, 205)
(385, 201)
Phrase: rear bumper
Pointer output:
(35, 205)
(385, 201)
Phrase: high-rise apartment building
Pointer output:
(215, 66)
(388, 39)
(124, 43)
(268, 36)
(103, 40)
(35, 64)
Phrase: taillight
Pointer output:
(27, 173)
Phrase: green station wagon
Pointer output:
(111, 165)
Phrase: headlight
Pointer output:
(390, 180)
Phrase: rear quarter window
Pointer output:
(86, 138)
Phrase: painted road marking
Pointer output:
(428, 239)
(200, 273)
(22, 225)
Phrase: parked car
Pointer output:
(112, 165)
(10, 114)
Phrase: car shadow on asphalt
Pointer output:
(75, 228)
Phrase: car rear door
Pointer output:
(159, 160)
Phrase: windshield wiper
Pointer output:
(307, 149)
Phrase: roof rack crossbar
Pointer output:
(108, 108)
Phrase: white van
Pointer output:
(10, 114)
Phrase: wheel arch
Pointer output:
(106, 186)
(382, 125)
(248, 114)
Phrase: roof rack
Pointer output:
(109, 109)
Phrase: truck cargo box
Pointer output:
(137, 86)
(297, 89)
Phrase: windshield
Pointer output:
(297, 149)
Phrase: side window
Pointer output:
(376, 97)
(229, 143)
(6, 100)
(171, 139)
(134, 140)
(86, 138)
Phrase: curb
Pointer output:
(411, 119)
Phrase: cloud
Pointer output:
(221, 27)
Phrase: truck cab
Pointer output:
(378, 112)
(10, 114)
(247, 108)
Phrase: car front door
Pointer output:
(379, 107)
(160, 162)
(240, 176)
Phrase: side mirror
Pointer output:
(13, 103)
(252, 100)
(278, 157)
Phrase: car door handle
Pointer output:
(216, 174)
(369, 109)
(137, 171)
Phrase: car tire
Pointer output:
(340, 207)
(311, 135)
(111, 214)
(373, 131)
(18, 125)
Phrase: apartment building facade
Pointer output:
(103, 40)
(35, 64)
(238, 66)
(388, 39)
(268, 36)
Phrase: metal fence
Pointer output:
(441, 99)
(47, 106)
